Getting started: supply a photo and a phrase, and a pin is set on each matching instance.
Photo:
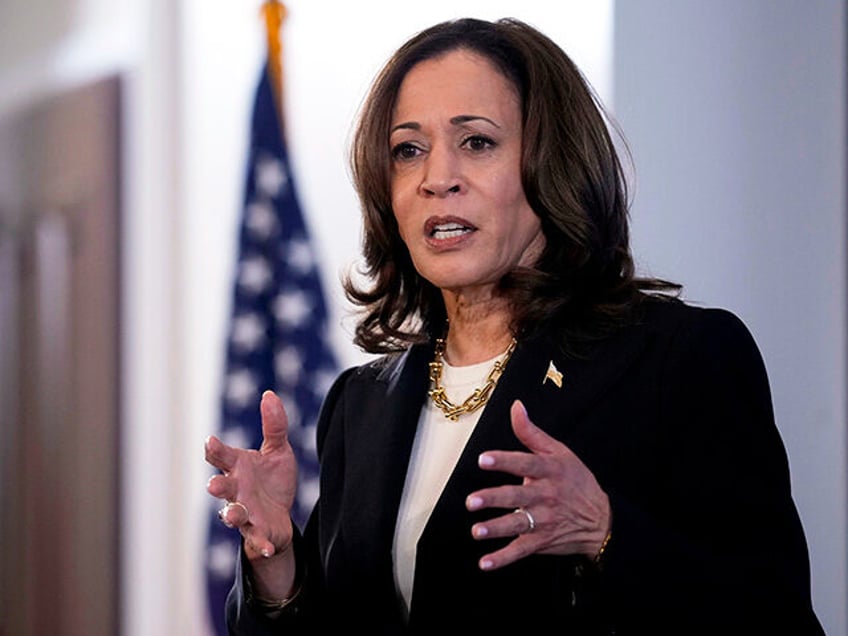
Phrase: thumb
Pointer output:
(275, 422)
(533, 437)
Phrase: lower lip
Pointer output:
(444, 243)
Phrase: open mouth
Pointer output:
(449, 230)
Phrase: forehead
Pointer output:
(457, 79)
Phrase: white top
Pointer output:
(435, 451)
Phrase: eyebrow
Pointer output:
(455, 121)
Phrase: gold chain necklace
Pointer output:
(475, 400)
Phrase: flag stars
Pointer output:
(322, 380)
(248, 331)
(236, 435)
(241, 389)
(271, 177)
(292, 308)
(255, 274)
(307, 493)
(288, 364)
(260, 219)
(308, 441)
(298, 255)
(293, 413)
(276, 337)
(221, 560)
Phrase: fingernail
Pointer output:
(486, 460)
(485, 564)
(481, 531)
(474, 502)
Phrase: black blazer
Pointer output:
(673, 416)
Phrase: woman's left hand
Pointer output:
(558, 509)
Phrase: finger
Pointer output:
(258, 537)
(509, 496)
(523, 464)
(234, 514)
(256, 543)
(508, 525)
(220, 455)
(275, 423)
(516, 549)
(533, 437)
(516, 463)
(221, 487)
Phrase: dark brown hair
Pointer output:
(584, 282)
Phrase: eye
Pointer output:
(405, 151)
(478, 143)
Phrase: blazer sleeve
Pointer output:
(726, 552)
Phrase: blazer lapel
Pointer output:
(379, 443)
(558, 409)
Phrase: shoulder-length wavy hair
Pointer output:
(584, 282)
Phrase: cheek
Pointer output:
(401, 218)
(524, 226)
(397, 210)
(398, 206)
(404, 198)
(504, 185)
(510, 195)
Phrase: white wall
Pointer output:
(736, 114)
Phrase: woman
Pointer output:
(548, 439)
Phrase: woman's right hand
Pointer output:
(259, 486)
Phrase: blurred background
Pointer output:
(124, 130)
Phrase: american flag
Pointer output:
(278, 331)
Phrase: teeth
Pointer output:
(449, 230)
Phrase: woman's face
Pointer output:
(456, 181)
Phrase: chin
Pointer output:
(456, 276)
(459, 284)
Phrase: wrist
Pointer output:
(607, 536)
(273, 582)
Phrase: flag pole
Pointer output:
(275, 13)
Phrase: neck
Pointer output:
(473, 341)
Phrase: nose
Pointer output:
(441, 173)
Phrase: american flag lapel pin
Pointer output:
(553, 374)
